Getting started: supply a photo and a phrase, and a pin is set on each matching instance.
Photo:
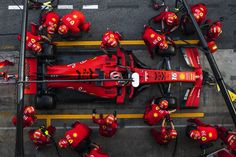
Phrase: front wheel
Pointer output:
(45, 101)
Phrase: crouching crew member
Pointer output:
(49, 22)
(73, 23)
(199, 12)
(169, 21)
(42, 136)
(153, 40)
(110, 39)
(78, 137)
(108, 125)
(96, 151)
(154, 113)
(165, 136)
(201, 132)
(29, 117)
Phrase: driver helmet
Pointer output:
(63, 143)
(36, 47)
(173, 134)
(195, 134)
(116, 75)
(110, 119)
(29, 111)
(163, 104)
(63, 29)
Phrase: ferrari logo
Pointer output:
(72, 22)
(204, 138)
(33, 40)
(70, 141)
(53, 19)
(152, 35)
(75, 16)
(182, 76)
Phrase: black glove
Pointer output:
(94, 111)
(114, 113)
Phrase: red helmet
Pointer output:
(216, 29)
(110, 119)
(163, 45)
(173, 133)
(63, 29)
(37, 134)
(199, 12)
(195, 134)
(51, 29)
(63, 143)
(163, 104)
(171, 19)
(29, 111)
(115, 75)
(36, 47)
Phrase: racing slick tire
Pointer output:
(45, 101)
(48, 51)
(170, 51)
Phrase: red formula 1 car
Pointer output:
(115, 77)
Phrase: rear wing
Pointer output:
(192, 96)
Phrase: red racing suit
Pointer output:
(32, 42)
(199, 12)
(97, 152)
(154, 114)
(107, 130)
(162, 137)
(75, 21)
(110, 39)
(208, 133)
(229, 138)
(78, 133)
(152, 40)
(27, 120)
(214, 31)
(42, 137)
(50, 19)
(170, 19)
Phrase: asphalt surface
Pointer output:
(133, 137)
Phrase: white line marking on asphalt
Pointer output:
(65, 7)
(126, 127)
(90, 6)
(15, 7)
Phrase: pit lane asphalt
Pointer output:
(127, 142)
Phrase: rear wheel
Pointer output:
(48, 51)
(45, 101)
(170, 51)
